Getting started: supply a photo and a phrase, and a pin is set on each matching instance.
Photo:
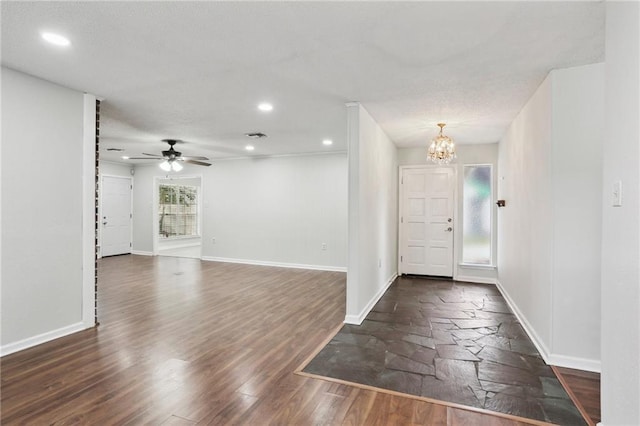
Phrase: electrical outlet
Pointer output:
(213, 240)
(379, 263)
(324, 246)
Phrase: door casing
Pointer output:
(456, 222)
(100, 216)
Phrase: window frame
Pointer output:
(491, 264)
(159, 236)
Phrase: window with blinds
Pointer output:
(178, 211)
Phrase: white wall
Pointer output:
(277, 210)
(42, 210)
(577, 134)
(549, 231)
(620, 399)
(373, 213)
(524, 224)
(115, 169)
(466, 154)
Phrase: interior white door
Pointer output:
(426, 221)
(115, 218)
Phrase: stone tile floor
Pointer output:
(450, 341)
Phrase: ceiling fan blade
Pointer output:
(144, 158)
(151, 155)
(199, 163)
(193, 157)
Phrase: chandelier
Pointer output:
(442, 149)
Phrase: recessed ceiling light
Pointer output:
(56, 39)
(124, 157)
(266, 107)
(327, 142)
(249, 147)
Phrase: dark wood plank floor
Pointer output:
(183, 341)
(585, 389)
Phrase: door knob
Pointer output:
(449, 229)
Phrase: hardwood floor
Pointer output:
(584, 388)
(184, 342)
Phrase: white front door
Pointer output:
(115, 218)
(426, 221)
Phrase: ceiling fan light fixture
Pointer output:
(175, 166)
(442, 149)
(166, 166)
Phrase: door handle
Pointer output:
(449, 229)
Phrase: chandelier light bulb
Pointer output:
(442, 149)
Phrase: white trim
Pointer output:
(476, 266)
(575, 363)
(278, 264)
(141, 253)
(537, 341)
(456, 222)
(88, 212)
(43, 338)
(550, 358)
(479, 280)
(357, 319)
(100, 228)
(492, 211)
(157, 180)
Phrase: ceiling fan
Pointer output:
(172, 158)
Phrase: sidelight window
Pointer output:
(476, 214)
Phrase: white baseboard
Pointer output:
(42, 338)
(357, 319)
(278, 264)
(478, 280)
(537, 341)
(575, 363)
(550, 358)
(141, 253)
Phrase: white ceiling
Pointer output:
(196, 70)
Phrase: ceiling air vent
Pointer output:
(256, 135)
(115, 149)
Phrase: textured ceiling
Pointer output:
(196, 70)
